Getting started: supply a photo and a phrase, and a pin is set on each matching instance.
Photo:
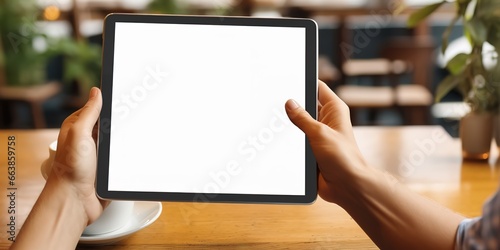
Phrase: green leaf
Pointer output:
(447, 32)
(447, 85)
(477, 30)
(423, 13)
(458, 64)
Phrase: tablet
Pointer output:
(193, 109)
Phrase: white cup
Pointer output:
(47, 164)
(115, 215)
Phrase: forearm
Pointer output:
(397, 218)
(55, 222)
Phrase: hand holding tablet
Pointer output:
(194, 109)
(208, 124)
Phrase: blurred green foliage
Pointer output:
(23, 65)
(181, 7)
(82, 61)
(165, 7)
(479, 86)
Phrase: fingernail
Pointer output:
(292, 104)
(93, 92)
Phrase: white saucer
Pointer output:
(145, 213)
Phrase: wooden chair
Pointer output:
(400, 56)
(373, 98)
(414, 99)
(33, 96)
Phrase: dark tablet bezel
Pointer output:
(105, 117)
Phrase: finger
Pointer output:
(89, 114)
(325, 94)
(301, 118)
(95, 132)
(66, 125)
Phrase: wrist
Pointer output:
(56, 221)
(63, 194)
(363, 186)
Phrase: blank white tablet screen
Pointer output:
(200, 109)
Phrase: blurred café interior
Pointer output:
(385, 71)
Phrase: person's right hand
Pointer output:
(332, 141)
(76, 158)
(393, 216)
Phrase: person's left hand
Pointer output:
(76, 159)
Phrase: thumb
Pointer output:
(301, 118)
(90, 112)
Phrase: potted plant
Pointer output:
(477, 83)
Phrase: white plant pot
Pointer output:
(476, 133)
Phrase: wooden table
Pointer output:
(434, 169)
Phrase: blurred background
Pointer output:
(50, 52)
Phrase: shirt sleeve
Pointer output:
(481, 232)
